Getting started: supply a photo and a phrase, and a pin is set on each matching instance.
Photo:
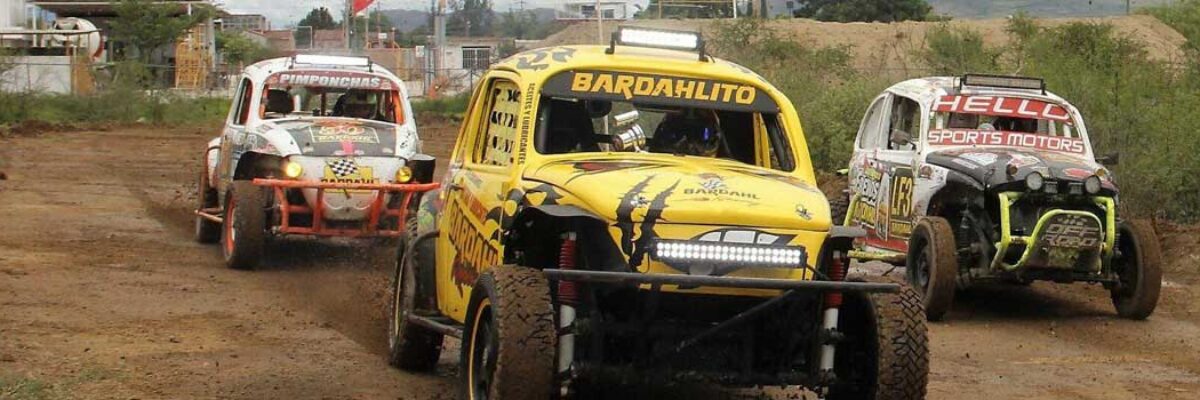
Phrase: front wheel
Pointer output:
(1138, 265)
(509, 342)
(411, 347)
(839, 206)
(885, 355)
(206, 231)
(932, 265)
(244, 234)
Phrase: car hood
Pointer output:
(332, 136)
(687, 190)
(990, 166)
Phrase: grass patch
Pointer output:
(451, 107)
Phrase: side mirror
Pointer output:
(900, 138)
(1110, 159)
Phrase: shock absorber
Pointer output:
(568, 298)
(833, 300)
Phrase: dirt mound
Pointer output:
(884, 46)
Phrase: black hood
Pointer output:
(989, 166)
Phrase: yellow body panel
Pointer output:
(688, 196)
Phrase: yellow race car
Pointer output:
(645, 212)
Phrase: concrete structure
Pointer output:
(12, 14)
(577, 10)
(283, 41)
(329, 39)
(245, 22)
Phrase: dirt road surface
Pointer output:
(104, 295)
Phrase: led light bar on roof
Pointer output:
(657, 38)
(1001, 81)
(316, 59)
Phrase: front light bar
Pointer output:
(722, 253)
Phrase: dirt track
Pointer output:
(104, 295)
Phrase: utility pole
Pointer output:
(599, 24)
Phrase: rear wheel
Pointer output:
(206, 231)
(509, 342)
(1138, 265)
(885, 355)
(932, 265)
(245, 228)
(412, 347)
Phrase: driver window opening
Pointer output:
(297, 101)
(567, 125)
(905, 124)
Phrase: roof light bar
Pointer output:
(659, 39)
(730, 254)
(341, 61)
(1002, 81)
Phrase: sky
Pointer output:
(283, 13)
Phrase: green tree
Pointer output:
(525, 25)
(318, 18)
(864, 10)
(470, 18)
(145, 26)
(239, 49)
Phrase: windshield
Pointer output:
(1004, 121)
(586, 111)
(331, 93)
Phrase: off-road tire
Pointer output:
(510, 308)
(244, 234)
(206, 231)
(932, 265)
(1139, 268)
(411, 347)
(839, 206)
(885, 355)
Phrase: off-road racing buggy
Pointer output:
(992, 178)
(313, 145)
(637, 214)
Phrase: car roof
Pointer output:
(927, 90)
(259, 71)
(540, 64)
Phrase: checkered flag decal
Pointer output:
(343, 167)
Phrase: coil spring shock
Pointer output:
(837, 273)
(568, 291)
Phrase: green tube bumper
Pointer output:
(1061, 239)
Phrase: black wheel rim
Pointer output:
(483, 356)
(923, 265)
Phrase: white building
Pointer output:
(576, 10)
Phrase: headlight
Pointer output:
(292, 169)
(1092, 184)
(730, 253)
(1034, 181)
(404, 174)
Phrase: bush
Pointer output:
(450, 106)
(952, 50)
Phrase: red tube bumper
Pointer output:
(369, 228)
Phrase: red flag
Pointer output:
(360, 5)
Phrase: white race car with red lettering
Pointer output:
(991, 178)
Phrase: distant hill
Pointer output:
(1035, 8)
(407, 20)
(974, 9)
